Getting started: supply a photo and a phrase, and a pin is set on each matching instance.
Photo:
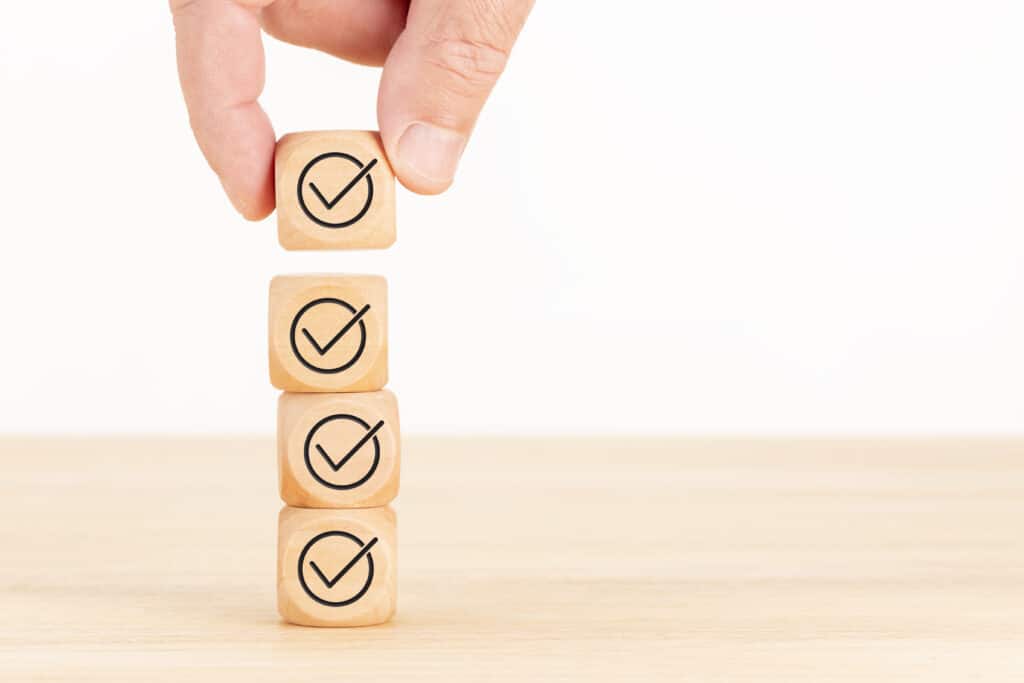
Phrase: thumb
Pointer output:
(435, 82)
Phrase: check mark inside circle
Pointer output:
(331, 203)
(330, 583)
(322, 350)
(355, 449)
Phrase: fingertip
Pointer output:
(248, 179)
(425, 157)
(222, 71)
(254, 201)
(422, 186)
(253, 209)
(239, 144)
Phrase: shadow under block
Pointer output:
(336, 567)
(338, 450)
(335, 190)
(328, 333)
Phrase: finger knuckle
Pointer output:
(470, 63)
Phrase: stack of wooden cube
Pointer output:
(338, 434)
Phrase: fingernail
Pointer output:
(431, 152)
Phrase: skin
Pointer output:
(441, 59)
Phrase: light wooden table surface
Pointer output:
(521, 560)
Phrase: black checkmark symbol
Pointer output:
(344, 570)
(330, 204)
(348, 326)
(355, 449)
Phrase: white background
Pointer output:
(702, 217)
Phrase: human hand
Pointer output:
(441, 59)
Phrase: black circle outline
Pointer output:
(309, 465)
(309, 591)
(306, 210)
(302, 359)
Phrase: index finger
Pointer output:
(221, 67)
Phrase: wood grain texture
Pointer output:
(328, 333)
(335, 190)
(338, 450)
(355, 553)
(153, 559)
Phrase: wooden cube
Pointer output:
(335, 190)
(328, 333)
(338, 450)
(336, 567)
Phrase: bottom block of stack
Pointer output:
(336, 567)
